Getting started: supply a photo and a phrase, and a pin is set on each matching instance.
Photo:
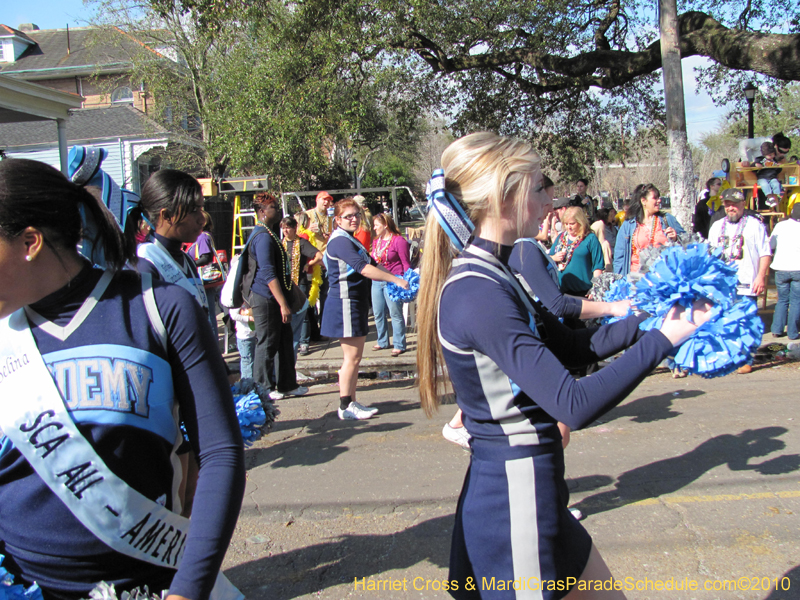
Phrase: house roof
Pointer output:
(26, 101)
(83, 125)
(89, 50)
(6, 31)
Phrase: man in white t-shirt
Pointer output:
(744, 243)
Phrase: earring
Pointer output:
(29, 258)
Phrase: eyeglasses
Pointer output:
(351, 217)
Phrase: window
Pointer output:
(122, 94)
(2, 52)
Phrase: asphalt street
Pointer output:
(689, 482)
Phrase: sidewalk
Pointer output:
(326, 357)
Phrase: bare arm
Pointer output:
(315, 261)
(759, 283)
(595, 310)
(380, 274)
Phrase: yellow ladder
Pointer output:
(241, 230)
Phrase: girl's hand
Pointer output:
(401, 282)
(559, 256)
(619, 308)
(677, 328)
(671, 233)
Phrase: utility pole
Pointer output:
(681, 170)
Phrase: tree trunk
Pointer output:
(681, 170)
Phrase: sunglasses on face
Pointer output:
(350, 217)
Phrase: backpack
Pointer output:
(240, 278)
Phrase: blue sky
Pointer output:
(701, 115)
(47, 14)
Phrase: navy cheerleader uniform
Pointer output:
(122, 376)
(165, 260)
(538, 275)
(505, 356)
(346, 312)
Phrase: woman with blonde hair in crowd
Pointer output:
(578, 253)
(503, 355)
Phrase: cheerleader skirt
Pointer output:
(345, 318)
(514, 537)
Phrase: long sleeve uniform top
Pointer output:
(269, 254)
(507, 365)
(540, 278)
(133, 429)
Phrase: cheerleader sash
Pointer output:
(43, 431)
(171, 272)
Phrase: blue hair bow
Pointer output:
(449, 213)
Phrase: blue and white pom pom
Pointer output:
(107, 591)
(11, 591)
(621, 289)
(254, 409)
(685, 274)
(724, 343)
(398, 294)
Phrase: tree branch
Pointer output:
(776, 55)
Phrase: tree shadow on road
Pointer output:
(324, 439)
(313, 568)
(670, 475)
(650, 408)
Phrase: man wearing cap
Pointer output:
(321, 223)
(321, 219)
(744, 244)
(560, 206)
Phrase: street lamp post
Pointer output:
(750, 94)
(354, 166)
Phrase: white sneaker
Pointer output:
(353, 412)
(369, 409)
(576, 513)
(457, 435)
(300, 390)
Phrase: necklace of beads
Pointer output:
(381, 250)
(733, 248)
(284, 256)
(635, 250)
(295, 258)
(569, 245)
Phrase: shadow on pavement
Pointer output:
(670, 475)
(322, 442)
(650, 408)
(340, 560)
(788, 586)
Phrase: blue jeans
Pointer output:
(247, 349)
(770, 186)
(788, 284)
(380, 304)
(298, 319)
